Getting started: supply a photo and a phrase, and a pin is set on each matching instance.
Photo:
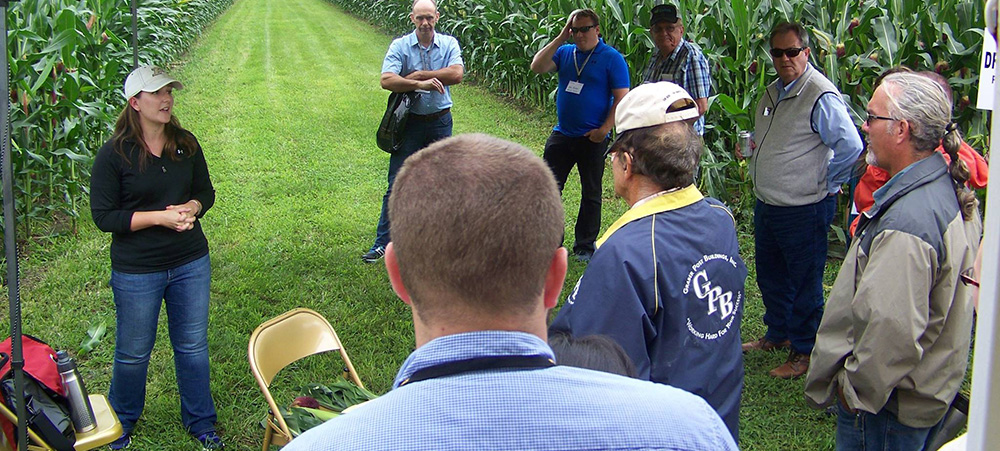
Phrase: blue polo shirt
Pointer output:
(405, 55)
(605, 70)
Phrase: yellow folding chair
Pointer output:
(108, 427)
(280, 341)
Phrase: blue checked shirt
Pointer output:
(556, 408)
(405, 55)
(687, 67)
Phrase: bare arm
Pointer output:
(542, 62)
(391, 81)
(702, 105)
(176, 217)
(451, 75)
(598, 134)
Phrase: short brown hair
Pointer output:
(667, 154)
(588, 13)
(475, 220)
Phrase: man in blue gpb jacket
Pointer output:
(667, 280)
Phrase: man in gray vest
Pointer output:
(805, 144)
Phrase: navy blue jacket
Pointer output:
(666, 283)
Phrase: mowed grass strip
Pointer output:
(284, 97)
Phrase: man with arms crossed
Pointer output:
(667, 280)
(482, 376)
(893, 345)
(428, 62)
(806, 144)
(593, 78)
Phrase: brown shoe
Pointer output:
(763, 344)
(796, 366)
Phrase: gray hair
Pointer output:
(922, 104)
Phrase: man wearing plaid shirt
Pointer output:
(677, 60)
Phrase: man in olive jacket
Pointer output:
(892, 347)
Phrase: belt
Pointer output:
(429, 117)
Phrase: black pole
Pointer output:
(135, 36)
(10, 242)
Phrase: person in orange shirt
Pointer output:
(874, 177)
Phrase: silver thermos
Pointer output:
(81, 411)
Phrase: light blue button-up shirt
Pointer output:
(555, 408)
(836, 129)
(406, 55)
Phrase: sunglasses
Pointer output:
(790, 52)
(576, 30)
(872, 117)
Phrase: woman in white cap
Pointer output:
(149, 186)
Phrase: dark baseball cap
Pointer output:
(663, 13)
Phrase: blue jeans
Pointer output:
(416, 136)
(790, 245)
(881, 431)
(185, 289)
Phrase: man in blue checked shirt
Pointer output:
(427, 62)
(806, 145)
(482, 376)
(678, 60)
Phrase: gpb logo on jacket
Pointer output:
(718, 303)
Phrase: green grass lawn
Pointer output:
(284, 98)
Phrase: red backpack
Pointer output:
(45, 399)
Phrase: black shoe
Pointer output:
(584, 256)
(374, 254)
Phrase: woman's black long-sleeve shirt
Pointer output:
(118, 189)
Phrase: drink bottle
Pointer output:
(80, 410)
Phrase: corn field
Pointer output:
(67, 62)
(853, 41)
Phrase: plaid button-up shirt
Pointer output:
(687, 67)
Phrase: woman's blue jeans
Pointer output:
(185, 289)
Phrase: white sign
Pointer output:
(987, 73)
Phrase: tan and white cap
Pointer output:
(148, 79)
(654, 104)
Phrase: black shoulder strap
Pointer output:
(519, 362)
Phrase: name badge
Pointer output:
(574, 87)
(767, 111)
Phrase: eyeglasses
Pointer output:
(872, 117)
(790, 52)
(576, 30)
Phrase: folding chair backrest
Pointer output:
(288, 338)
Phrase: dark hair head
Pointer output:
(588, 13)
(128, 127)
(594, 352)
(667, 154)
(794, 27)
(476, 222)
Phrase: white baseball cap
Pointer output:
(148, 79)
(654, 104)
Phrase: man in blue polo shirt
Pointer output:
(427, 62)
(593, 78)
(667, 280)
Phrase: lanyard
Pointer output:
(579, 69)
(519, 362)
